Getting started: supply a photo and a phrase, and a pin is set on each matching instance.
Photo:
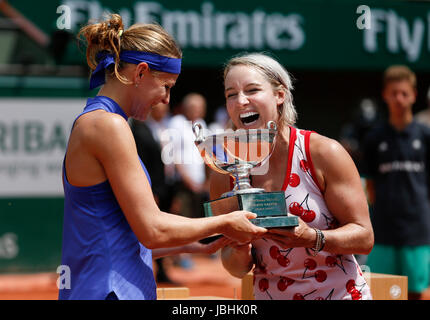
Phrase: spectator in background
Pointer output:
(396, 156)
(424, 115)
(221, 121)
(353, 133)
(149, 151)
(191, 170)
(191, 188)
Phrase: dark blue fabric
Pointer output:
(99, 247)
(154, 61)
(398, 163)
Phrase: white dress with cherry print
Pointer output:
(294, 274)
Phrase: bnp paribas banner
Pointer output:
(333, 34)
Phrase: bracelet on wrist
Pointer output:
(319, 243)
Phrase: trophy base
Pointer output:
(276, 222)
(270, 208)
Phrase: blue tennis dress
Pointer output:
(99, 247)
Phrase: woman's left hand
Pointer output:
(210, 248)
(300, 236)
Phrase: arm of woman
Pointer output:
(236, 259)
(345, 198)
(112, 144)
(194, 247)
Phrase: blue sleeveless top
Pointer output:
(99, 247)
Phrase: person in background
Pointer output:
(112, 225)
(365, 117)
(192, 185)
(221, 121)
(396, 165)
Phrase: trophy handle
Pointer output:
(198, 132)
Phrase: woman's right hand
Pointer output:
(237, 227)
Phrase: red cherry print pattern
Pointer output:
(351, 289)
(294, 180)
(310, 264)
(333, 261)
(284, 283)
(320, 275)
(356, 295)
(263, 285)
(276, 254)
(296, 209)
(299, 296)
(304, 165)
(308, 215)
(328, 296)
(350, 285)
(283, 261)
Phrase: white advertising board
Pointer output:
(33, 140)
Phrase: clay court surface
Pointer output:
(206, 279)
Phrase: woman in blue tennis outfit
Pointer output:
(111, 220)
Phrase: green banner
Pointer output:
(306, 34)
(30, 234)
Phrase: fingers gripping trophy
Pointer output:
(237, 153)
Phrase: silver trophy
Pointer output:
(237, 153)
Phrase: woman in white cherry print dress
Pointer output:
(322, 187)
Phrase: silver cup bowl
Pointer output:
(236, 153)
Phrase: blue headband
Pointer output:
(154, 61)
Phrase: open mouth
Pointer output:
(249, 118)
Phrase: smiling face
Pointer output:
(250, 98)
